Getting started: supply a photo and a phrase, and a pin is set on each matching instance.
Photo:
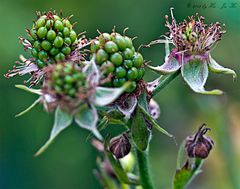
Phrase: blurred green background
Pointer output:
(69, 162)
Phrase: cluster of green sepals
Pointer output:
(52, 39)
(116, 55)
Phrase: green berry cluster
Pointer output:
(52, 39)
(116, 55)
(66, 79)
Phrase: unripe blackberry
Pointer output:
(65, 80)
(52, 38)
(118, 60)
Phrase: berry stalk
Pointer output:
(165, 82)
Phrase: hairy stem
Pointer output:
(165, 81)
(144, 172)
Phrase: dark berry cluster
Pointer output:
(52, 39)
(117, 58)
(65, 80)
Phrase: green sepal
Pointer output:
(29, 108)
(61, 121)
(92, 72)
(195, 73)
(216, 68)
(87, 118)
(170, 66)
(105, 96)
(100, 126)
(25, 88)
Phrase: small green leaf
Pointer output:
(29, 108)
(62, 121)
(187, 173)
(105, 96)
(139, 130)
(181, 178)
(142, 101)
(181, 155)
(216, 68)
(195, 73)
(87, 118)
(25, 88)
(153, 122)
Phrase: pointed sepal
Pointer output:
(87, 118)
(195, 73)
(29, 108)
(170, 65)
(25, 88)
(61, 121)
(105, 96)
(217, 68)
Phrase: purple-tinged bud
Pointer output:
(154, 109)
(199, 145)
(120, 146)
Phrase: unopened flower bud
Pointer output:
(120, 146)
(199, 145)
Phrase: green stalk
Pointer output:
(164, 81)
(144, 172)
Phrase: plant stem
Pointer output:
(164, 81)
(144, 172)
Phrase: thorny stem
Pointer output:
(144, 172)
(165, 82)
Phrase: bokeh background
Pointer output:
(69, 162)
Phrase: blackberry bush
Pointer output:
(118, 60)
(109, 90)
